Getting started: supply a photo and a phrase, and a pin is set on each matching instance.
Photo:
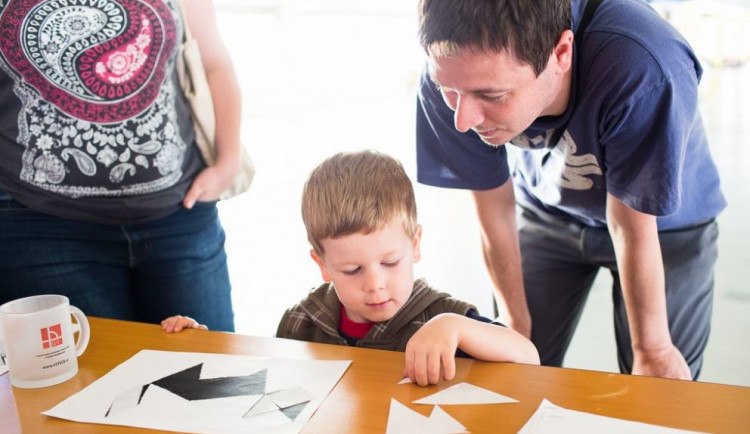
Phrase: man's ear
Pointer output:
(416, 243)
(318, 260)
(563, 52)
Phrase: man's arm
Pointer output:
(639, 261)
(496, 210)
(225, 93)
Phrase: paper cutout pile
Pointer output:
(547, 418)
(188, 385)
(205, 393)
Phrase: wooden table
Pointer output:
(360, 401)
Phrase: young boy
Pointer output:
(360, 214)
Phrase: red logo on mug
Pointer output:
(51, 336)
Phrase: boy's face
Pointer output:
(373, 274)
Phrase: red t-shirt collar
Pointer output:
(356, 330)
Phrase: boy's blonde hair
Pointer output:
(354, 192)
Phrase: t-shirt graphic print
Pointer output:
(94, 78)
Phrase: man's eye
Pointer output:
(493, 97)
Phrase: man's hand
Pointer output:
(431, 348)
(635, 238)
(210, 184)
(665, 362)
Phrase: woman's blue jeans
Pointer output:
(142, 272)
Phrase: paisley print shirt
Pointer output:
(93, 125)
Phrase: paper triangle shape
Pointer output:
(552, 418)
(403, 420)
(264, 405)
(463, 394)
(289, 401)
(442, 418)
(290, 397)
(294, 411)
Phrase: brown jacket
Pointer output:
(316, 318)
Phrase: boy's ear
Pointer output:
(318, 260)
(416, 244)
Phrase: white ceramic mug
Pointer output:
(38, 335)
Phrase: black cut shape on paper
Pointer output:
(187, 384)
(143, 392)
(127, 406)
(294, 411)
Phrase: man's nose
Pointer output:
(468, 113)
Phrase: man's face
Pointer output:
(495, 95)
(372, 273)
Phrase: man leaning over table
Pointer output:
(610, 168)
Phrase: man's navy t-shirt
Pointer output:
(634, 130)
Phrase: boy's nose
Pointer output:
(375, 281)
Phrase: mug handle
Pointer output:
(82, 326)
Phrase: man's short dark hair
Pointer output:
(529, 29)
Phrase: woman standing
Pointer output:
(104, 196)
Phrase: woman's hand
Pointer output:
(211, 183)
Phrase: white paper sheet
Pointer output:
(464, 393)
(403, 420)
(205, 393)
(551, 418)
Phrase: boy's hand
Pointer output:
(431, 348)
(176, 323)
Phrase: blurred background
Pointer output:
(323, 76)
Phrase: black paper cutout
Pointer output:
(188, 385)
